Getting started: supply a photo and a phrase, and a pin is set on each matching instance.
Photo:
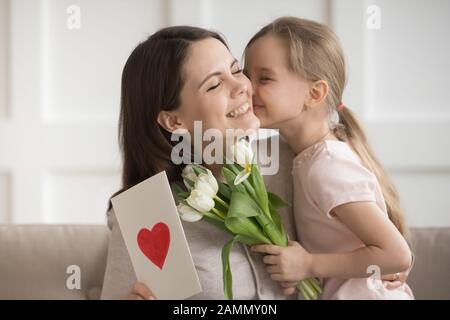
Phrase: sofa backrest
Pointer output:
(429, 278)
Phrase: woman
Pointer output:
(179, 75)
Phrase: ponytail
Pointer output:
(350, 130)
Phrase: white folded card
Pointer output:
(155, 239)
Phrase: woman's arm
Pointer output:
(385, 248)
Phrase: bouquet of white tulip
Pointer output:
(240, 206)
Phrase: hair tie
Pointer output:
(340, 106)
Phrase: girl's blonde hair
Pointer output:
(315, 54)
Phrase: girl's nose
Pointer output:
(256, 99)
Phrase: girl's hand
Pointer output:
(289, 288)
(396, 280)
(140, 292)
(286, 264)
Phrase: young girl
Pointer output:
(347, 213)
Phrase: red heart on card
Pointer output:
(154, 243)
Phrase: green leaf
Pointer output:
(247, 240)
(276, 201)
(247, 227)
(182, 194)
(276, 218)
(260, 188)
(226, 269)
(198, 170)
(189, 182)
(224, 190)
(229, 177)
(270, 229)
(242, 206)
(218, 223)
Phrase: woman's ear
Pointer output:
(170, 121)
(318, 92)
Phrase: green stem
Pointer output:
(271, 231)
(218, 213)
(213, 216)
(223, 203)
(303, 291)
(315, 284)
(311, 293)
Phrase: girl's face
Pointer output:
(278, 93)
(215, 90)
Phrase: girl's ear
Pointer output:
(318, 92)
(170, 121)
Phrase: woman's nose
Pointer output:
(241, 87)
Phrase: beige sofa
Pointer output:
(34, 261)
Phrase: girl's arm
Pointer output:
(385, 248)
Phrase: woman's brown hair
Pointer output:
(152, 80)
(315, 53)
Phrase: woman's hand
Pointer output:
(140, 292)
(287, 265)
(396, 280)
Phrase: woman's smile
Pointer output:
(240, 111)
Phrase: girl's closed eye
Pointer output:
(265, 79)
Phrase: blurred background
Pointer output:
(60, 69)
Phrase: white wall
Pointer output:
(59, 93)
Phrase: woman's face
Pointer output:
(215, 90)
(279, 93)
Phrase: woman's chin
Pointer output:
(247, 121)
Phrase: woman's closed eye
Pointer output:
(214, 86)
(220, 82)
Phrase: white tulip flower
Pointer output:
(207, 183)
(188, 214)
(200, 201)
(189, 173)
(243, 155)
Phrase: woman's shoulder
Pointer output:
(111, 219)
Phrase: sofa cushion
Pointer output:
(429, 277)
(34, 260)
